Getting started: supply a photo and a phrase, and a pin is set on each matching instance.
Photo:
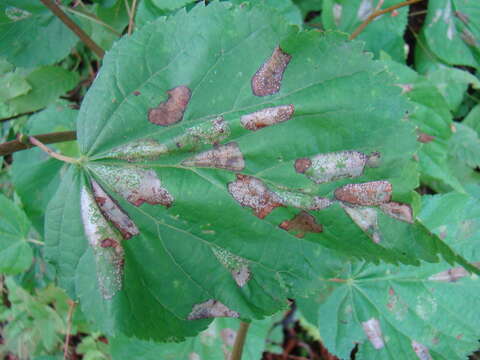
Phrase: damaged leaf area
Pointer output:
(366, 194)
(171, 111)
(301, 224)
(237, 266)
(226, 156)
(211, 309)
(267, 117)
(268, 79)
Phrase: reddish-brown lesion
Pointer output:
(302, 165)
(268, 79)
(302, 223)
(171, 111)
(367, 194)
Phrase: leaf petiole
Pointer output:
(52, 153)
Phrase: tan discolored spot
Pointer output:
(194, 356)
(402, 212)
(367, 194)
(463, 17)
(105, 242)
(268, 79)
(135, 184)
(328, 167)
(209, 132)
(211, 309)
(253, 193)
(406, 88)
(302, 200)
(421, 351)
(238, 266)
(112, 211)
(226, 156)
(267, 117)
(468, 37)
(366, 219)
(171, 111)
(453, 274)
(302, 223)
(372, 329)
(396, 305)
(138, 150)
(425, 138)
(228, 338)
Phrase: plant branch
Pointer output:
(74, 27)
(91, 17)
(131, 21)
(50, 152)
(240, 341)
(22, 142)
(71, 308)
(377, 13)
(19, 115)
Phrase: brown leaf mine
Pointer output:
(453, 274)
(113, 212)
(302, 223)
(135, 184)
(226, 156)
(211, 309)
(268, 79)
(171, 111)
(302, 200)
(368, 194)
(402, 212)
(328, 167)
(106, 245)
(267, 117)
(143, 149)
(366, 219)
(252, 192)
(209, 132)
(237, 265)
(372, 329)
(421, 351)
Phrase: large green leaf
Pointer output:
(405, 312)
(452, 32)
(15, 253)
(221, 141)
(215, 343)
(31, 35)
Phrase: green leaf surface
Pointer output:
(214, 343)
(465, 146)
(473, 119)
(31, 35)
(405, 312)
(223, 157)
(287, 8)
(452, 32)
(13, 84)
(15, 253)
(35, 174)
(383, 34)
(171, 4)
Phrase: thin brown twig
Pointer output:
(19, 115)
(92, 17)
(131, 21)
(22, 143)
(71, 308)
(377, 13)
(74, 27)
(240, 341)
(52, 153)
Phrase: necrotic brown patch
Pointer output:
(421, 350)
(398, 211)
(302, 223)
(452, 274)
(112, 211)
(211, 309)
(267, 117)
(226, 156)
(302, 165)
(267, 80)
(252, 192)
(171, 111)
(367, 194)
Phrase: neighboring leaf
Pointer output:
(307, 6)
(473, 119)
(116, 17)
(465, 146)
(385, 33)
(92, 348)
(36, 175)
(13, 84)
(426, 313)
(452, 33)
(15, 253)
(215, 343)
(48, 83)
(287, 8)
(31, 35)
(147, 11)
(171, 4)
(217, 158)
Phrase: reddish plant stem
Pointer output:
(240, 341)
(74, 27)
(377, 13)
(22, 142)
(52, 153)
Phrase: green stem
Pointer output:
(22, 142)
(240, 341)
(52, 153)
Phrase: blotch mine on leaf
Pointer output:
(253, 193)
(171, 111)
(135, 184)
(425, 138)
(267, 117)
(209, 132)
(138, 150)
(453, 274)
(373, 331)
(211, 309)
(237, 265)
(302, 223)
(194, 356)
(399, 211)
(371, 193)
(421, 351)
(113, 212)
(463, 17)
(105, 242)
(366, 218)
(268, 79)
(226, 156)
(333, 166)
(302, 200)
